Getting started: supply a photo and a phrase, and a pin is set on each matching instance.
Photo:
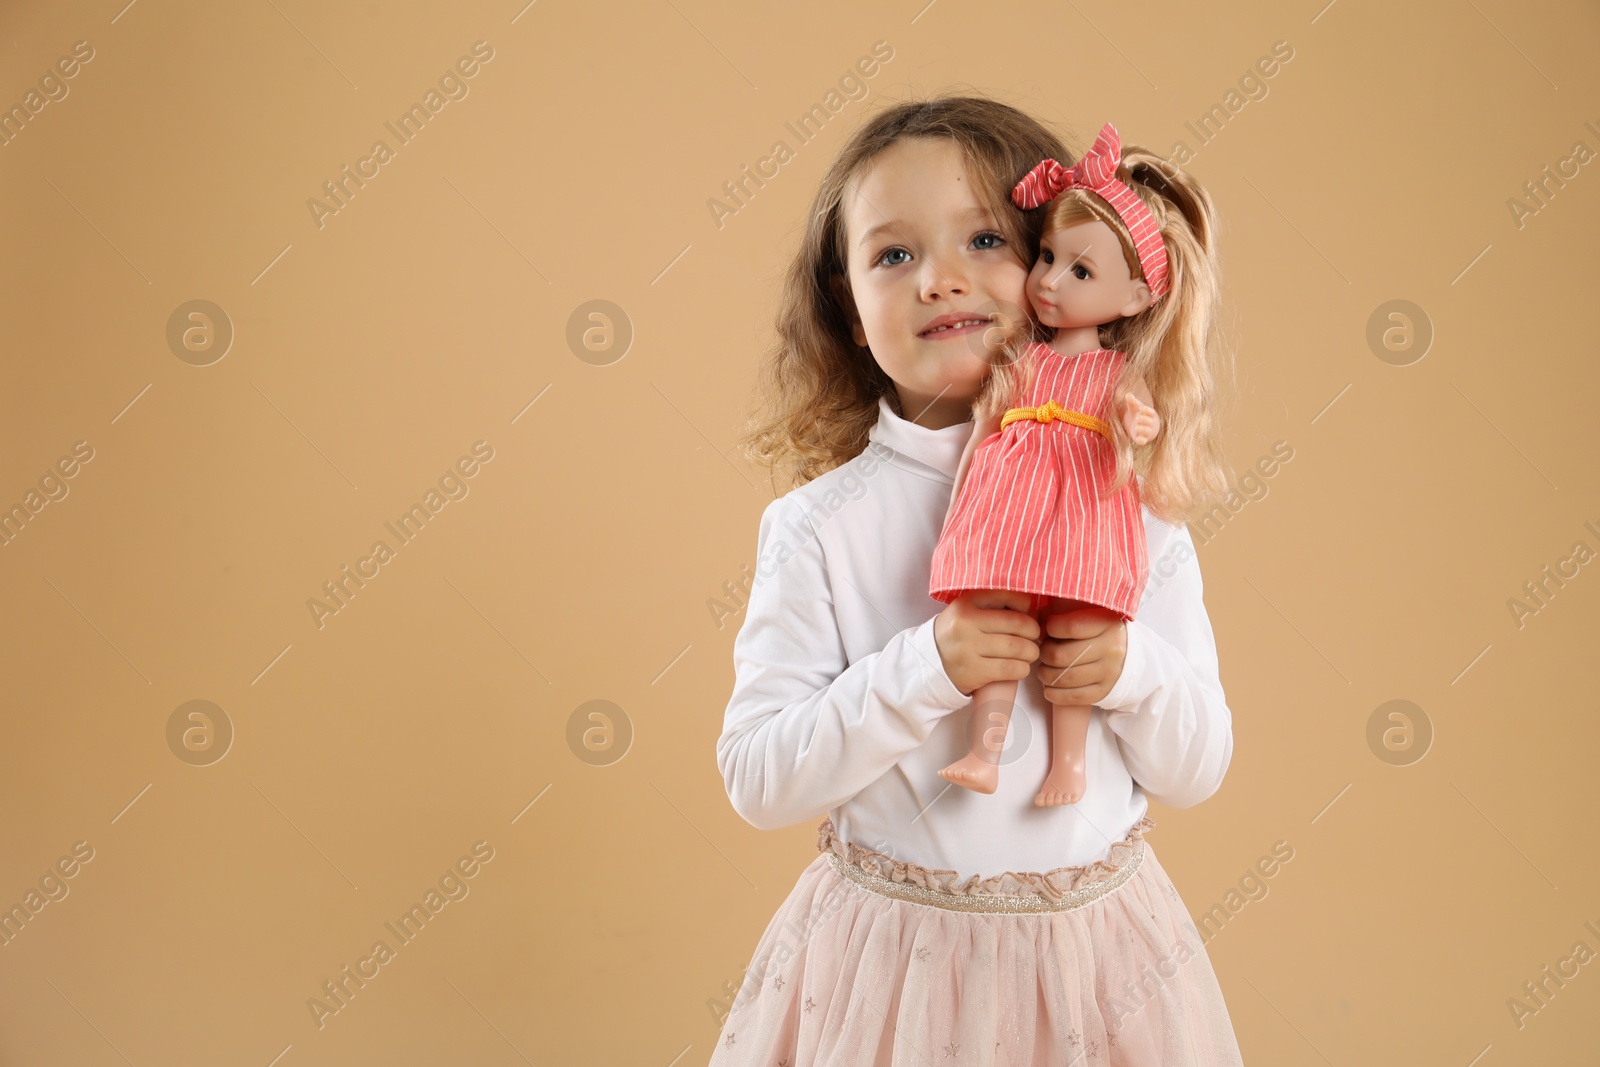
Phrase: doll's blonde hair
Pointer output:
(1174, 345)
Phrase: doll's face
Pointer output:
(1082, 279)
(922, 246)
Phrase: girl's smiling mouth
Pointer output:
(958, 324)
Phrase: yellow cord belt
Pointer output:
(1050, 410)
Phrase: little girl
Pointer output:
(939, 925)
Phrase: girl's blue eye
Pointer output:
(985, 241)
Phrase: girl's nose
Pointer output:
(943, 278)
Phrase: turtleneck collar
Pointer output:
(939, 449)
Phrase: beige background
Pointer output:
(432, 711)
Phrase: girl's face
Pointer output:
(923, 252)
(1082, 279)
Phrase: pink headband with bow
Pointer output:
(1096, 172)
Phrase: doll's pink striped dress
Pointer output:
(1032, 517)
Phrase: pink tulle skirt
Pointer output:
(872, 961)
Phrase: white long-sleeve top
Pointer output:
(841, 704)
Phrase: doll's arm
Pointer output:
(1141, 420)
(1167, 709)
(983, 427)
(805, 729)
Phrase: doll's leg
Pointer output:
(1069, 731)
(979, 769)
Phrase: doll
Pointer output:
(1044, 500)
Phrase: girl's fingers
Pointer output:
(1011, 622)
(1056, 656)
(1000, 599)
(1004, 646)
(1069, 673)
(1059, 627)
(1068, 679)
(1079, 697)
(1077, 625)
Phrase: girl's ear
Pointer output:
(841, 293)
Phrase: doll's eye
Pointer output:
(889, 252)
(1047, 255)
(1080, 272)
(990, 236)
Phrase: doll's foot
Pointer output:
(973, 772)
(1063, 785)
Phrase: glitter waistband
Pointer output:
(998, 905)
(1009, 893)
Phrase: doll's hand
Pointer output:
(1081, 655)
(1141, 420)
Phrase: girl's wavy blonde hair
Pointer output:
(817, 391)
(1174, 345)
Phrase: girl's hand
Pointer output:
(1081, 657)
(986, 636)
(1140, 419)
